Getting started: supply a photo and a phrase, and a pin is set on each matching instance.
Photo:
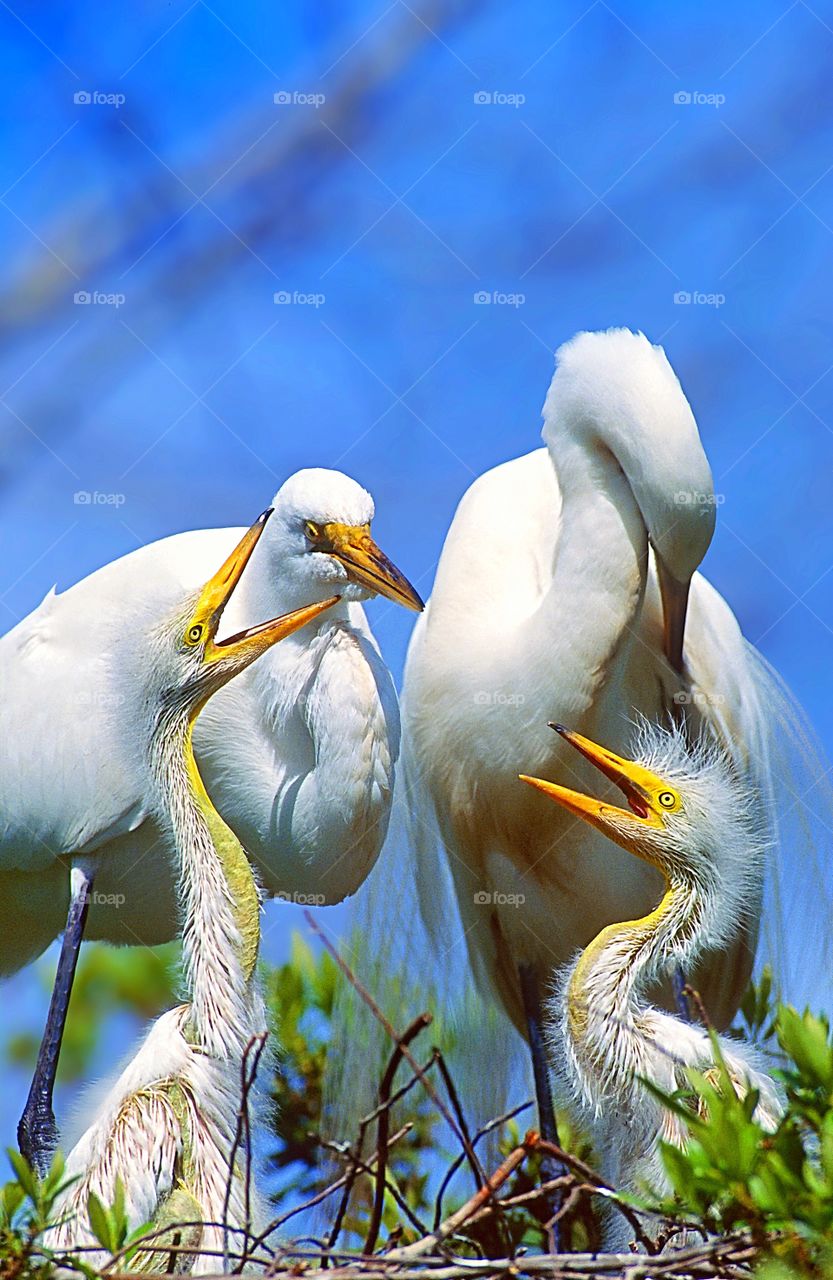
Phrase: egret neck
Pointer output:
(606, 981)
(584, 621)
(220, 904)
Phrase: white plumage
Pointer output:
(690, 816)
(560, 595)
(299, 753)
(166, 1128)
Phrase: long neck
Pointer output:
(598, 578)
(219, 902)
(602, 1001)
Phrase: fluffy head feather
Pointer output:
(323, 496)
(715, 842)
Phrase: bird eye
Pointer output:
(194, 634)
(667, 799)
(312, 530)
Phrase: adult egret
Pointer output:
(166, 1128)
(689, 816)
(298, 753)
(566, 584)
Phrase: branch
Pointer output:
(453, 1223)
(409, 1034)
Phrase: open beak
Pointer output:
(251, 643)
(218, 591)
(674, 595)
(637, 784)
(367, 564)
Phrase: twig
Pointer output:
(453, 1097)
(362, 1166)
(321, 1196)
(523, 1199)
(352, 1174)
(599, 1183)
(242, 1132)
(456, 1220)
(383, 1021)
(489, 1127)
(409, 1034)
(697, 1000)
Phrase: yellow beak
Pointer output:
(638, 785)
(251, 643)
(215, 595)
(367, 565)
(217, 592)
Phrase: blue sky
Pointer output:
(584, 165)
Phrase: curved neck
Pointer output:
(584, 622)
(218, 898)
(603, 996)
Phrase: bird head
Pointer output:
(204, 664)
(320, 542)
(616, 392)
(685, 812)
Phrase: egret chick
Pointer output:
(165, 1129)
(689, 816)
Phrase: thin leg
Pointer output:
(37, 1132)
(679, 984)
(550, 1167)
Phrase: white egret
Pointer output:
(688, 816)
(566, 584)
(166, 1128)
(298, 753)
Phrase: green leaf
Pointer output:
(25, 1174)
(100, 1223)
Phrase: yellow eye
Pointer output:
(194, 634)
(667, 799)
(312, 530)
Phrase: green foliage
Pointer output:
(109, 1224)
(109, 980)
(758, 1011)
(301, 998)
(734, 1175)
(27, 1207)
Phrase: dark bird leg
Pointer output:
(681, 999)
(37, 1132)
(550, 1167)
